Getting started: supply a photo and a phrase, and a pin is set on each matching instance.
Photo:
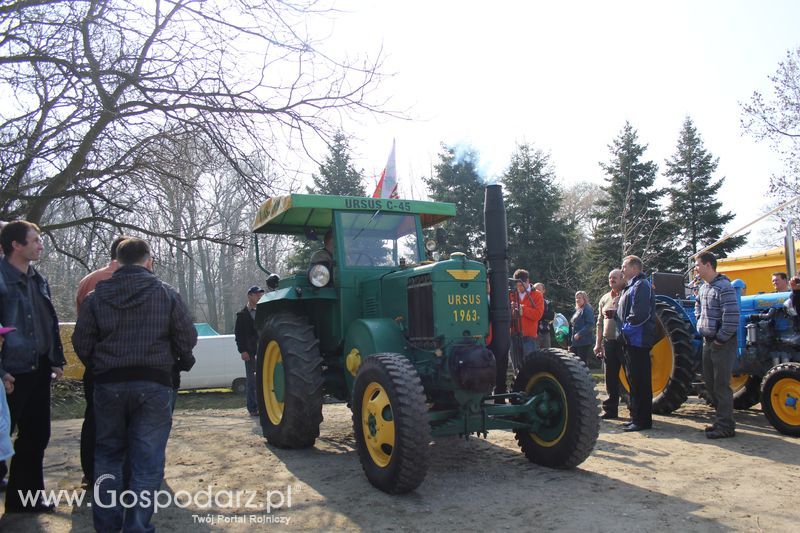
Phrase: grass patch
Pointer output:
(211, 399)
(67, 400)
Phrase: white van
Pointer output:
(218, 365)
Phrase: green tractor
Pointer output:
(377, 323)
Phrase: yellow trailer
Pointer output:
(756, 269)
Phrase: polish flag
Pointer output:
(387, 186)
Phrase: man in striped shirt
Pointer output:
(717, 312)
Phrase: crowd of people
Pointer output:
(134, 335)
(623, 334)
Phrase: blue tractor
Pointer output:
(767, 369)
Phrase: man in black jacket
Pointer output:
(132, 331)
(247, 343)
(31, 357)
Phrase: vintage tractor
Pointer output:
(400, 337)
(767, 368)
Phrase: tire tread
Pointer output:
(302, 414)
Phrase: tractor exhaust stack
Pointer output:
(494, 219)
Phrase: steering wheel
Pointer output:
(357, 259)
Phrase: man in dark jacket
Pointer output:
(132, 331)
(717, 312)
(247, 343)
(31, 356)
(636, 319)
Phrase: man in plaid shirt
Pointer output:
(133, 331)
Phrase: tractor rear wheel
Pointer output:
(672, 359)
(390, 423)
(780, 398)
(289, 381)
(568, 416)
(746, 391)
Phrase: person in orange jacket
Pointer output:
(528, 305)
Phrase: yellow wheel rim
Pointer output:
(377, 424)
(272, 382)
(661, 359)
(784, 399)
(550, 433)
(738, 382)
(662, 363)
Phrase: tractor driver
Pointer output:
(325, 254)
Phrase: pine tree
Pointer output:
(630, 220)
(539, 240)
(337, 176)
(694, 208)
(456, 180)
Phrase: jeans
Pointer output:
(250, 375)
(717, 368)
(133, 420)
(529, 345)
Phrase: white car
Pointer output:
(218, 365)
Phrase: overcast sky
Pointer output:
(565, 76)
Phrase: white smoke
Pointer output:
(465, 153)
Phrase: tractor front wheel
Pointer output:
(780, 398)
(565, 422)
(390, 423)
(289, 381)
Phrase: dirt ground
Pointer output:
(668, 479)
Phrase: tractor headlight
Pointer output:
(319, 275)
(430, 245)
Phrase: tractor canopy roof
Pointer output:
(295, 214)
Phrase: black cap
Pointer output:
(254, 289)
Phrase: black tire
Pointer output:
(289, 381)
(239, 386)
(565, 439)
(673, 360)
(748, 395)
(745, 393)
(387, 385)
(780, 398)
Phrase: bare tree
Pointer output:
(98, 88)
(579, 206)
(776, 119)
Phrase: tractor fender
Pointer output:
(368, 336)
(683, 312)
(297, 299)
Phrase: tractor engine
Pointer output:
(772, 335)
